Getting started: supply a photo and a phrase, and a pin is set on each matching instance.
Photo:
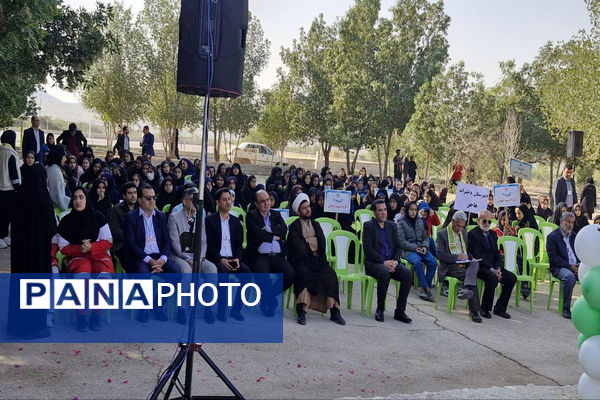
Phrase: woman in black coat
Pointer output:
(588, 198)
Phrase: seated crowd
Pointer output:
(129, 212)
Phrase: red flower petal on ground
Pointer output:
(262, 378)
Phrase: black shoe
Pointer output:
(465, 294)
(181, 316)
(237, 315)
(301, 318)
(95, 322)
(336, 316)
(475, 317)
(566, 313)
(486, 314)
(209, 316)
(143, 315)
(525, 292)
(44, 333)
(502, 314)
(422, 293)
(379, 316)
(402, 317)
(160, 314)
(430, 296)
(82, 325)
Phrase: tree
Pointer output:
(275, 124)
(412, 49)
(311, 64)
(44, 38)
(167, 108)
(114, 84)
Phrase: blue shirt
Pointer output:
(271, 247)
(385, 250)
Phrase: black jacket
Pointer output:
(213, 237)
(29, 143)
(256, 233)
(372, 242)
(588, 198)
(490, 258)
(560, 192)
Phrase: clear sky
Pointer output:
(481, 33)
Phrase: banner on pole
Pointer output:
(507, 195)
(520, 169)
(337, 201)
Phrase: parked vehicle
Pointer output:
(256, 153)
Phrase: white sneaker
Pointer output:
(7, 240)
(3, 244)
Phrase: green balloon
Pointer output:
(582, 338)
(591, 287)
(585, 318)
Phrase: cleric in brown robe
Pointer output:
(316, 284)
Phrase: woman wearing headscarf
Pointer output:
(315, 181)
(56, 178)
(581, 220)
(415, 243)
(588, 198)
(296, 190)
(236, 170)
(210, 205)
(560, 208)
(248, 194)
(543, 210)
(306, 182)
(393, 206)
(99, 198)
(10, 180)
(166, 193)
(76, 170)
(525, 217)
(33, 226)
(85, 239)
(165, 171)
(221, 170)
(275, 181)
(291, 183)
(318, 209)
(274, 199)
(178, 179)
(432, 199)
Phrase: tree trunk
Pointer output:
(379, 158)
(348, 162)
(354, 161)
(386, 150)
(326, 147)
(427, 162)
(550, 188)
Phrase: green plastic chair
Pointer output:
(445, 209)
(59, 214)
(512, 246)
(241, 214)
(283, 204)
(328, 225)
(370, 286)
(452, 293)
(546, 228)
(539, 219)
(471, 227)
(554, 280)
(494, 224)
(360, 217)
(337, 254)
(291, 219)
(166, 208)
(531, 237)
(187, 178)
(368, 207)
(515, 223)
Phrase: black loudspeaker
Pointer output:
(575, 144)
(228, 27)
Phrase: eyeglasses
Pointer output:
(486, 221)
(150, 198)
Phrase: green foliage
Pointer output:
(275, 126)
(46, 38)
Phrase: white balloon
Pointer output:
(589, 358)
(589, 389)
(587, 245)
(583, 269)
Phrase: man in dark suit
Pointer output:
(483, 244)
(122, 144)
(564, 190)
(147, 143)
(224, 236)
(148, 243)
(33, 140)
(564, 264)
(382, 261)
(266, 247)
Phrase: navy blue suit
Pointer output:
(135, 241)
(148, 144)
(559, 263)
(29, 144)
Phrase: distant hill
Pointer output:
(57, 109)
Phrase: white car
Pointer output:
(256, 153)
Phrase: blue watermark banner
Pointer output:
(141, 308)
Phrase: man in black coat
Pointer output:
(122, 144)
(483, 244)
(564, 190)
(266, 248)
(33, 140)
(224, 236)
(382, 261)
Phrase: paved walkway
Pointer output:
(437, 356)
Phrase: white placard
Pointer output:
(507, 195)
(471, 198)
(285, 213)
(520, 169)
(337, 201)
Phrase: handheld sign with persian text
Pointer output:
(507, 195)
(471, 198)
(337, 201)
(520, 169)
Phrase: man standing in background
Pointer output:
(33, 139)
